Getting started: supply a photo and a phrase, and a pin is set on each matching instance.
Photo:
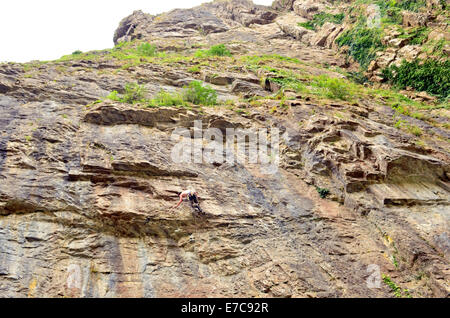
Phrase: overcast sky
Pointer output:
(48, 29)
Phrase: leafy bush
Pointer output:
(430, 75)
(77, 52)
(363, 43)
(307, 25)
(147, 49)
(334, 88)
(164, 98)
(198, 94)
(216, 50)
(320, 19)
(133, 93)
(195, 93)
(288, 82)
(114, 95)
(219, 50)
(323, 193)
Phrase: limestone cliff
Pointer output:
(86, 180)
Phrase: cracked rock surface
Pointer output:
(86, 184)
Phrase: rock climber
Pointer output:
(192, 195)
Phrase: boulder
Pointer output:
(7, 84)
(333, 36)
(283, 4)
(397, 42)
(413, 19)
(320, 38)
(446, 49)
(132, 27)
(247, 89)
(409, 52)
(306, 8)
(425, 97)
(385, 58)
(289, 25)
(372, 66)
(438, 35)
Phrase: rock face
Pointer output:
(86, 185)
(215, 17)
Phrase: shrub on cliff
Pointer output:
(363, 43)
(430, 75)
(133, 93)
(198, 94)
(164, 98)
(216, 50)
(333, 88)
(147, 49)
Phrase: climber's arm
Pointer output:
(179, 202)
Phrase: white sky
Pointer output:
(48, 29)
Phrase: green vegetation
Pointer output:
(129, 52)
(198, 94)
(256, 60)
(430, 75)
(216, 50)
(435, 47)
(320, 19)
(323, 193)
(134, 93)
(194, 93)
(334, 88)
(78, 55)
(164, 98)
(394, 261)
(415, 130)
(410, 5)
(134, 55)
(290, 75)
(391, 9)
(194, 69)
(147, 49)
(416, 36)
(398, 292)
(363, 43)
(357, 77)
